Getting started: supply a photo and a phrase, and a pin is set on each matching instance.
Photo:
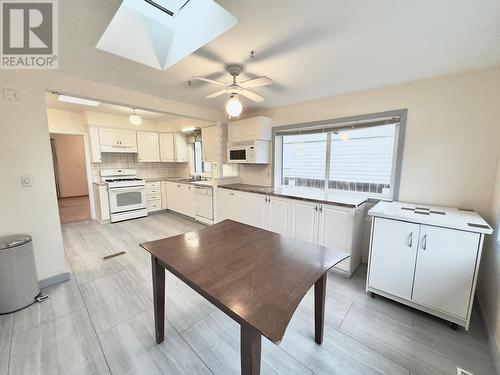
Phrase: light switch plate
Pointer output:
(26, 180)
(9, 95)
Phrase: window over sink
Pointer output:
(359, 155)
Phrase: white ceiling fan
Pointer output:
(233, 106)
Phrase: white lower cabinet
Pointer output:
(163, 189)
(327, 225)
(179, 197)
(427, 267)
(153, 194)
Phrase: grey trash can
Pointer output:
(18, 278)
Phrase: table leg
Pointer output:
(250, 350)
(158, 298)
(319, 308)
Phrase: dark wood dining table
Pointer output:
(256, 277)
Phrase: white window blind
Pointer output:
(362, 159)
(304, 160)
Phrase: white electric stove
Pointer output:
(127, 194)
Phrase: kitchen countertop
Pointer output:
(180, 180)
(305, 194)
(447, 217)
(100, 183)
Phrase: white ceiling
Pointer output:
(311, 49)
(52, 102)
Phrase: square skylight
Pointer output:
(159, 33)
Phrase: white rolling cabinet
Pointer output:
(426, 257)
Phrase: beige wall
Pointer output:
(71, 170)
(489, 276)
(66, 122)
(25, 149)
(452, 135)
(117, 121)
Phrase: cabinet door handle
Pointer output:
(320, 208)
(316, 208)
(410, 240)
(424, 242)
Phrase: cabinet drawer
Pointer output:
(154, 197)
(154, 190)
(153, 185)
(154, 205)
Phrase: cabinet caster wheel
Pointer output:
(373, 295)
(453, 326)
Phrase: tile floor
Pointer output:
(101, 322)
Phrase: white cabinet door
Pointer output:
(304, 221)
(209, 144)
(259, 211)
(164, 190)
(95, 147)
(148, 147)
(335, 231)
(224, 204)
(279, 213)
(445, 269)
(167, 153)
(185, 199)
(241, 207)
(127, 138)
(393, 255)
(180, 145)
(108, 137)
(235, 131)
(192, 203)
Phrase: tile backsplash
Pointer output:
(144, 170)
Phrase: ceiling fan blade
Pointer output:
(256, 82)
(210, 81)
(252, 96)
(216, 94)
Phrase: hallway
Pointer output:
(74, 209)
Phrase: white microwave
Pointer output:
(256, 152)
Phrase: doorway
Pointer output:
(68, 156)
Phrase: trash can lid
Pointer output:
(13, 240)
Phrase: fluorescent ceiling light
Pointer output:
(74, 100)
(141, 31)
(188, 129)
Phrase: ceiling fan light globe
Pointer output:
(234, 107)
(135, 120)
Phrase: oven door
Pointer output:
(127, 199)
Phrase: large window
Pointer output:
(356, 157)
(200, 167)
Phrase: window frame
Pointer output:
(203, 173)
(344, 122)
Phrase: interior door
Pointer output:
(392, 256)
(278, 215)
(304, 221)
(445, 269)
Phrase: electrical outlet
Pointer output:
(26, 180)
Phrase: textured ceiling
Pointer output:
(311, 49)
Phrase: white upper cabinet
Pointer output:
(95, 146)
(180, 147)
(209, 144)
(167, 152)
(148, 147)
(117, 140)
(393, 255)
(250, 129)
(445, 267)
